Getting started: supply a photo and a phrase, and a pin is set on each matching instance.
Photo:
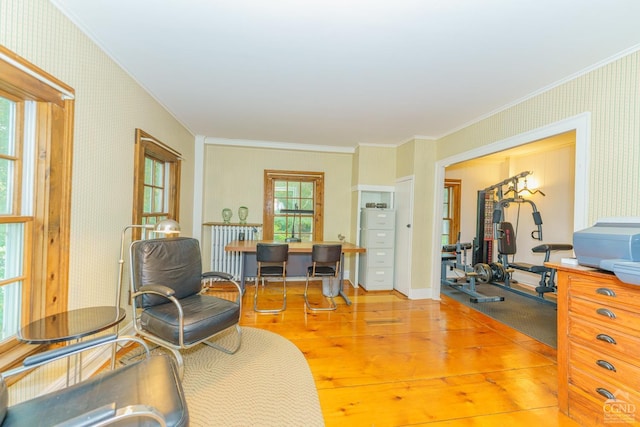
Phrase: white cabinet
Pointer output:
(377, 235)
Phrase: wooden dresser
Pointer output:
(598, 347)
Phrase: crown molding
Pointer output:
(250, 143)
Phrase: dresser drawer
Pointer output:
(377, 239)
(613, 317)
(589, 411)
(608, 395)
(381, 219)
(604, 291)
(605, 366)
(605, 341)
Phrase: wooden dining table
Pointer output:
(299, 258)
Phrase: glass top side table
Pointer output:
(71, 325)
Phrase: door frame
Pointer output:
(580, 123)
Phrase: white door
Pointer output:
(404, 218)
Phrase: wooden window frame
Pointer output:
(270, 176)
(147, 145)
(47, 230)
(454, 187)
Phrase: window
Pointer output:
(451, 211)
(157, 181)
(36, 117)
(294, 203)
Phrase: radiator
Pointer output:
(221, 235)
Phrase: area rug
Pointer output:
(266, 383)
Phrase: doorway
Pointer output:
(579, 124)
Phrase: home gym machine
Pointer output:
(491, 227)
(454, 258)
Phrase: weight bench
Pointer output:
(507, 246)
(452, 258)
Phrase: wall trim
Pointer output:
(277, 145)
(198, 187)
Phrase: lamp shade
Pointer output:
(167, 226)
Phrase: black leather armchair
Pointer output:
(145, 392)
(170, 306)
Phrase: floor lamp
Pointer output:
(166, 226)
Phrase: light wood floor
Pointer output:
(390, 361)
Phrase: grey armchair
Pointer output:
(145, 392)
(169, 304)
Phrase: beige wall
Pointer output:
(109, 106)
(376, 165)
(233, 177)
(612, 95)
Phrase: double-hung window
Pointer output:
(294, 204)
(36, 118)
(157, 181)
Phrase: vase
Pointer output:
(226, 215)
(243, 213)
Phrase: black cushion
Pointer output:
(204, 315)
(152, 381)
(322, 270)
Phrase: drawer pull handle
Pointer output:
(606, 338)
(606, 292)
(606, 393)
(606, 365)
(606, 312)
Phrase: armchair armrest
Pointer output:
(70, 350)
(161, 290)
(217, 274)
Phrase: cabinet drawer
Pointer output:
(589, 411)
(382, 219)
(604, 291)
(377, 239)
(378, 257)
(613, 317)
(600, 390)
(605, 366)
(378, 279)
(606, 341)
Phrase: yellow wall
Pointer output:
(109, 106)
(612, 95)
(376, 165)
(233, 177)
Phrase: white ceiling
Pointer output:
(348, 72)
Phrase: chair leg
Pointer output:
(332, 303)
(231, 350)
(276, 310)
(179, 360)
